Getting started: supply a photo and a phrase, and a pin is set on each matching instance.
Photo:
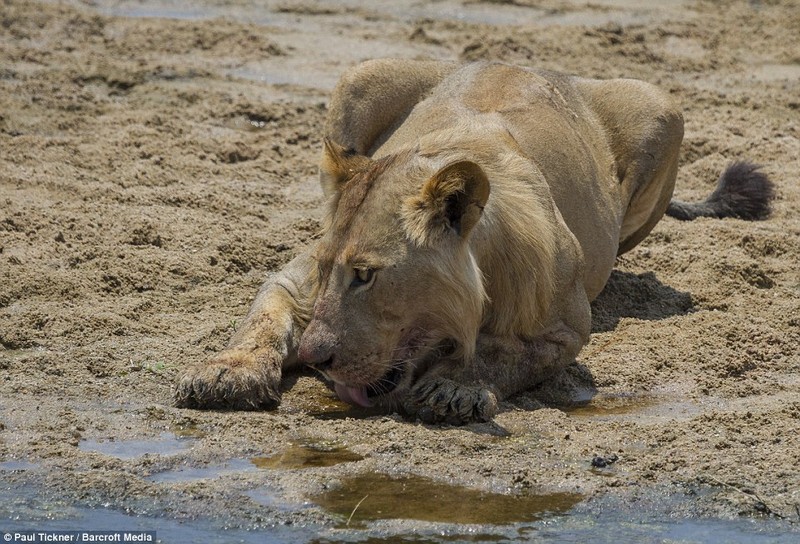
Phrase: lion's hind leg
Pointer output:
(372, 99)
(644, 127)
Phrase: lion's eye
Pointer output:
(363, 276)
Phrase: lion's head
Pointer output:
(398, 283)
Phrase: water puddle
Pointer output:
(401, 510)
(186, 11)
(188, 430)
(15, 466)
(289, 72)
(329, 407)
(246, 123)
(271, 500)
(192, 474)
(511, 14)
(776, 72)
(308, 454)
(305, 454)
(492, 13)
(165, 444)
(638, 406)
(167, 530)
(684, 48)
(21, 355)
(371, 497)
(610, 405)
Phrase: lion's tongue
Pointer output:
(353, 395)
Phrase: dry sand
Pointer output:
(157, 159)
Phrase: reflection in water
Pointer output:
(608, 405)
(634, 406)
(188, 430)
(308, 454)
(378, 496)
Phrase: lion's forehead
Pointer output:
(364, 245)
(366, 186)
(365, 228)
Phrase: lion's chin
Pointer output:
(413, 352)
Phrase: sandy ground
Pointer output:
(157, 159)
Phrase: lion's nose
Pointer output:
(317, 346)
(324, 366)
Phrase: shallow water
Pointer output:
(370, 497)
(165, 444)
(167, 530)
(381, 508)
(564, 527)
(187, 431)
(611, 529)
(13, 466)
(307, 454)
(638, 406)
(320, 53)
(493, 13)
(191, 474)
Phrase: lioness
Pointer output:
(474, 212)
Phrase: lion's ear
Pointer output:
(450, 201)
(338, 165)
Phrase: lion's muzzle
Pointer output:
(318, 345)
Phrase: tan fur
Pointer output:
(338, 166)
(523, 245)
(474, 212)
(424, 214)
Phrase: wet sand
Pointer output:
(157, 159)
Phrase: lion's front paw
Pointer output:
(442, 400)
(231, 380)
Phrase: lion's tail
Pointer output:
(742, 191)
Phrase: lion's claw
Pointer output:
(445, 401)
(229, 382)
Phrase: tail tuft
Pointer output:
(743, 191)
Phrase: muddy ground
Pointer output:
(157, 159)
